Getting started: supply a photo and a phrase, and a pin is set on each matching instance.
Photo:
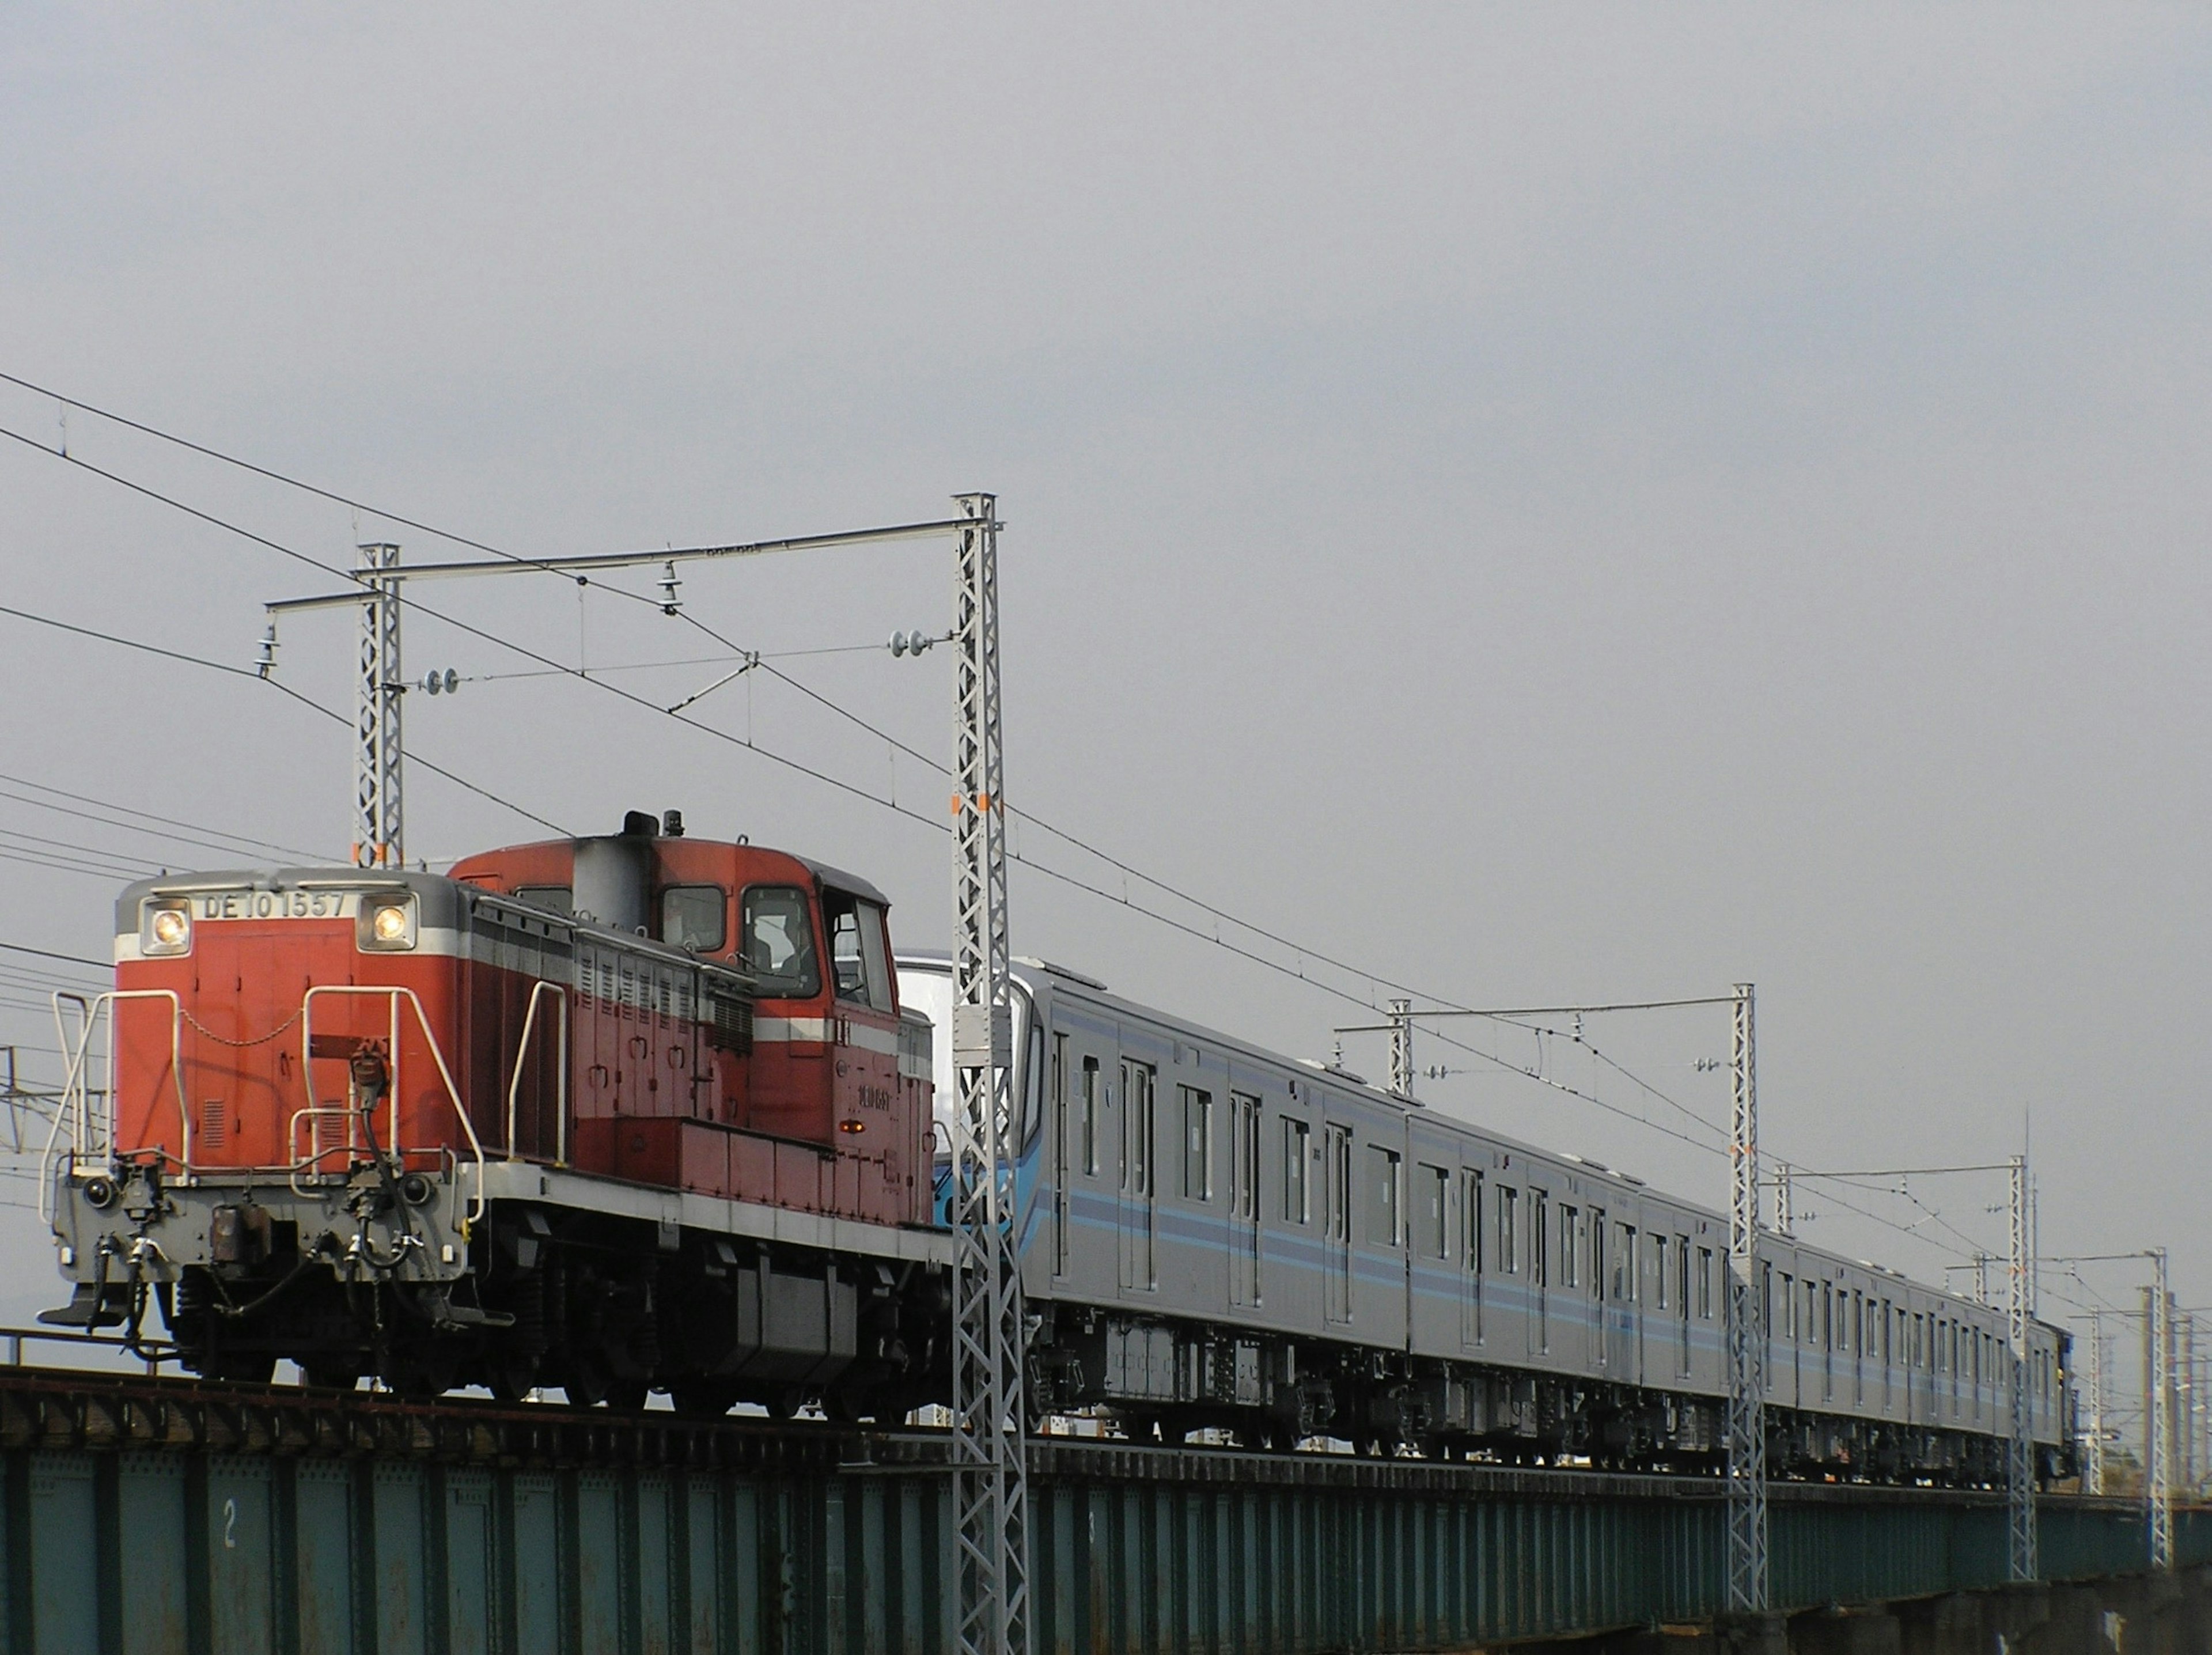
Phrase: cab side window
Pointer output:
(858, 951)
(695, 917)
(778, 941)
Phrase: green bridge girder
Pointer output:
(153, 1516)
(144, 1552)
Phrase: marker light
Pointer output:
(167, 930)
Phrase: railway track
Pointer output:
(74, 1409)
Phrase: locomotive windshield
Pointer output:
(857, 950)
(692, 916)
(779, 933)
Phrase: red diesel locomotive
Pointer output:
(617, 1114)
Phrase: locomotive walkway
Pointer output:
(151, 1514)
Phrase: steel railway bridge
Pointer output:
(145, 1514)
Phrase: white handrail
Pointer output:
(75, 1102)
(308, 1163)
(72, 1052)
(393, 994)
(522, 1051)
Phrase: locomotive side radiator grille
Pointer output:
(732, 1022)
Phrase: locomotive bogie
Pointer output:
(605, 1305)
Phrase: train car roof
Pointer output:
(851, 882)
(1033, 973)
(442, 888)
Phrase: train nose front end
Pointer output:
(260, 1117)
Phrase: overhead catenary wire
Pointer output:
(549, 667)
(87, 865)
(1302, 952)
(578, 672)
(87, 852)
(1120, 865)
(737, 658)
(48, 954)
(307, 701)
(270, 474)
(31, 976)
(196, 833)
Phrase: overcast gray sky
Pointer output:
(1563, 503)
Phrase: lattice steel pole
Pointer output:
(2158, 1452)
(990, 1478)
(2202, 1459)
(2184, 1403)
(1747, 1401)
(2019, 1456)
(2092, 1457)
(1401, 1048)
(378, 833)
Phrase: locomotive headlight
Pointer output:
(165, 928)
(388, 922)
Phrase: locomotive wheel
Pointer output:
(332, 1373)
(784, 1401)
(627, 1396)
(423, 1374)
(702, 1399)
(585, 1380)
(244, 1367)
(510, 1377)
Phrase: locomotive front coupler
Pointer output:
(135, 1186)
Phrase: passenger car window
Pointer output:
(857, 951)
(1383, 1197)
(695, 917)
(1090, 1115)
(1297, 1208)
(1197, 1144)
(778, 941)
(1435, 1237)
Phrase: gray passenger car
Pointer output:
(1214, 1235)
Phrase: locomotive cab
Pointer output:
(827, 1036)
